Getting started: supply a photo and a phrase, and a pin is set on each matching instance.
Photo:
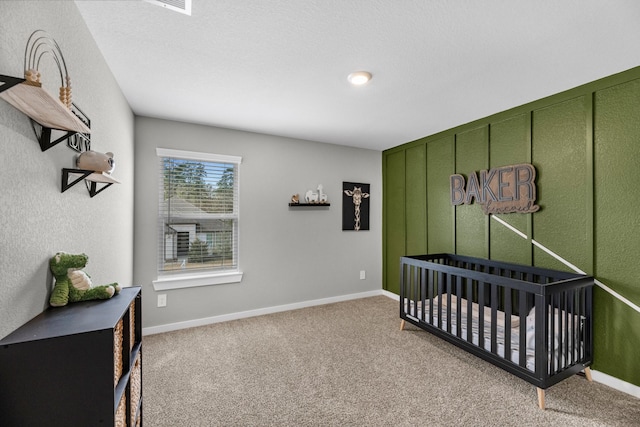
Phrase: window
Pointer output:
(197, 219)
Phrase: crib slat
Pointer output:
(481, 314)
(550, 332)
(440, 286)
(403, 285)
(522, 309)
(494, 318)
(542, 306)
(431, 273)
(566, 329)
(580, 343)
(423, 291)
(449, 279)
(459, 306)
(469, 310)
(578, 338)
(507, 323)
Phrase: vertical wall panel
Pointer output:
(416, 200)
(440, 165)
(394, 217)
(617, 205)
(560, 157)
(471, 223)
(509, 145)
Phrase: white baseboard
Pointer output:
(390, 295)
(616, 383)
(597, 376)
(258, 312)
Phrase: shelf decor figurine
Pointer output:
(322, 197)
(311, 197)
(97, 162)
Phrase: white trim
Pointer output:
(571, 266)
(257, 312)
(391, 295)
(509, 226)
(617, 295)
(191, 155)
(616, 383)
(191, 281)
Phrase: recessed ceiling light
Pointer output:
(359, 78)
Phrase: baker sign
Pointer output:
(506, 189)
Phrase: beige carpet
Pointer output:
(348, 364)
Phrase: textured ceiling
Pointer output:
(280, 66)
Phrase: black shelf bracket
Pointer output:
(7, 82)
(93, 187)
(65, 177)
(75, 140)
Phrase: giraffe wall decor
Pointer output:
(355, 206)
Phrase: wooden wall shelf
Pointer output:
(39, 105)
(45, 110)
(306, 205)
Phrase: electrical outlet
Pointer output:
(363, 275)
(162, 300)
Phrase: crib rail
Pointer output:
(533, 322)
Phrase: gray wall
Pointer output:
(287, 256)
(36, 220)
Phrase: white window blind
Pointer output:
(197, 213)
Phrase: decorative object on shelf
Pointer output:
(319, 199)
(311, 197)
(322, 197)
(47, 114)
(355, 206)
(97, 162)
(73, 284)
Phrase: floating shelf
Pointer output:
(45, 110)
(91, 178)
(306, 205)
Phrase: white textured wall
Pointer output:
(287, 255)
(36, 220)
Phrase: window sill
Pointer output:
(195, 280)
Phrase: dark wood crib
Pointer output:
(533, 322)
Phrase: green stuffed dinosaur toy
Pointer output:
(73, 284)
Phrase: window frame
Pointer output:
(202, 277)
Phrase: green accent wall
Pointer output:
(585, 146)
